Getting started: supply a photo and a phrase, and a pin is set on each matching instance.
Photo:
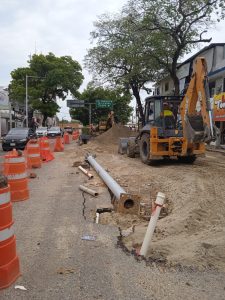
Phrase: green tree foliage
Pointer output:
(50, 77)
(118, 55)
(148, 39)
(172, 28)
(120, 98)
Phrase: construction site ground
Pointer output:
(187, 258)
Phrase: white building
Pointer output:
(4, 111)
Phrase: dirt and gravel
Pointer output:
(187, 258)
(191, 231)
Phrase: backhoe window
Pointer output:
(157, 109)
(150, 112)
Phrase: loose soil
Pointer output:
(191, 231)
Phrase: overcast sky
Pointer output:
(59, 26)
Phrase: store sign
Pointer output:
(219, 107)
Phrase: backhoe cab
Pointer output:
(176, 126)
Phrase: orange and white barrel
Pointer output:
(66, 138)
(9, 261)
(46, 154)
(15, 171)
(33, 154)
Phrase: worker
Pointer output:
(170, 121)
(167, 112)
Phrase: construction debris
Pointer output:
(89, 175)
(87, 190)
(88, 238)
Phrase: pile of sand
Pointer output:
(111, 136)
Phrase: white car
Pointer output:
(41, 131)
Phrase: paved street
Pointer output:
(57, 264)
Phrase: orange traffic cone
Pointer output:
(46, 153)
(66, 138)
(9, 261)
(15, 170)
(59, 147)
(33, 154)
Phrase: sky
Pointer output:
(59, 26)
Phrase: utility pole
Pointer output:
(26, 103)
(10, 116)
(90, 114)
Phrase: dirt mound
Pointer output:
(112, 135)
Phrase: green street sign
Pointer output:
(103, 103)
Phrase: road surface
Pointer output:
(57, 264)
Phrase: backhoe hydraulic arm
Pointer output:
(195, 108)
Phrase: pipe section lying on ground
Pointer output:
(85, 172)
(152, 223)
(109, 181)
(87, 190)
(123, 202)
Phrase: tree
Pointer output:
(118, 56)
(172, 28)
(120, 98)
(50, 77)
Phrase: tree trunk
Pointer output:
(176, 83)
(173, 74)
(136, 94)
(44, 120)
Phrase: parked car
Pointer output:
(41, 131)
(17, 138)
(54, 132)
(68, 129)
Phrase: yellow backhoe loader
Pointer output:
(176, 126)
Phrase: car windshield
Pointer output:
(18, 131)
(42, 129)
(54, 129)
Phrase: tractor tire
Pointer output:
(187, 159)
(145, 149)
(131, 148)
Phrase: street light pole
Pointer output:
(26, 103)
(90, 114)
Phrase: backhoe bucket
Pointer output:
(195, 130)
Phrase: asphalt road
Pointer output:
(57, 264)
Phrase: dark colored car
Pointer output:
(17, 138)
(54, 132)
(68, 129)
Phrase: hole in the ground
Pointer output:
(129, 203)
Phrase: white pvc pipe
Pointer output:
(87, 190)
(152, 223)
(97, 217)
(86, 172)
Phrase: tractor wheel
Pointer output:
(131, 145)
(187, 159)
(145, 149)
